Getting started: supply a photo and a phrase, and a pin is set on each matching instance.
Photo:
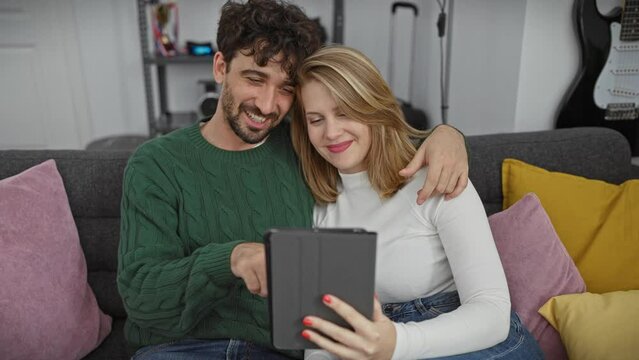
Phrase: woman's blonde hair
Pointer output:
(362, 94)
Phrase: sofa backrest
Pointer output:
(93, 181)
(595, 153)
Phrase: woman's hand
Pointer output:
(370, 339)
(444, 151)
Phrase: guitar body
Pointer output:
(578, 107)
(621, 74)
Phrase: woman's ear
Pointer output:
(219, 67)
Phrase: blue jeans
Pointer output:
(519, 345)
(194, 349)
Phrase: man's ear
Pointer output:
(219, 67)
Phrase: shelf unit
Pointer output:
(166, 120)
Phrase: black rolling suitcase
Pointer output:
(415, 117)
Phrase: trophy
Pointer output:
(165, 28)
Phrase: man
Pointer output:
(196, 202)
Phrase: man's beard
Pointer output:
(246, 134)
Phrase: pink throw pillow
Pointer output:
(47, 309)
(537, 267)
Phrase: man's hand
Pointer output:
(445, 154)
(248, 261)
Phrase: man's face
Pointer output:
(254, 99)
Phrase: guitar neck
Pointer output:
(630, 21)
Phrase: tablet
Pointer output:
(305, 264)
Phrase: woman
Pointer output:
(439, 276)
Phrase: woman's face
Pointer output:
(343, 142)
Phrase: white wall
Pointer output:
(373, 38)
(485, 58)
(485, 62)
(426, 92)
(549, 62)
(111, 66)
(42, 103)
(512, 60)
(485, 66)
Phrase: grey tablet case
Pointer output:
(305, 264)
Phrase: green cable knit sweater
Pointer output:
(185, 205)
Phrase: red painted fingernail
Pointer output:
(327, 299)
(306, 334)
(307, 321)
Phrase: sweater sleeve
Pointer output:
(430, 132)
(164, 287)
(483, 318)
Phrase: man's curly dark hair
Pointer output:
(263, 29)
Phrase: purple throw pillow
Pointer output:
(537, 267)
(47, 309)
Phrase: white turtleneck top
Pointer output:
(424, 250)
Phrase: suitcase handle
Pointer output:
(404, 4)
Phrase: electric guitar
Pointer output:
(605, 91)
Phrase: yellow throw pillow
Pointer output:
(598, 222)
(596, 326)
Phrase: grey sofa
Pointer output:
(93, 183)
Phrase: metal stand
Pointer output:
(446, 69)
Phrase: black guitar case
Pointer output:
(414, 116)
(578, 107)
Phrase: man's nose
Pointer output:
(266, 102)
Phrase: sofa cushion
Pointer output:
(595, 220)
(537, 267)
(47, 309)
(597, 326)
(93, 180)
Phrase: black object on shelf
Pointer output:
(194, 48)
